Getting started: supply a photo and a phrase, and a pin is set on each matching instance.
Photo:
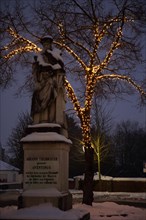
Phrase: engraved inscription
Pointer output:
(42, 170)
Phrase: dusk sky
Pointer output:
(12, 106)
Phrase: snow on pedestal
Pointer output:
(45, 136)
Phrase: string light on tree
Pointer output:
(19, 45)
(94, 69)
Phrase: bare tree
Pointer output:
(129, 141)
(100, 132)
(102, 40)
(14, 143)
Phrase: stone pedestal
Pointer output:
(46, 155)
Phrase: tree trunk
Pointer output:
(98, 158)
(89, 174)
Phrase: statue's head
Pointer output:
(46, 41)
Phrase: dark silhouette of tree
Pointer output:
(130, 148)
(76, 154)
(100, 133)
(14, 140)
(3, 154)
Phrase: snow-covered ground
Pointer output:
(105, 210)
(112, 196)
(96, 177)
(111, 210)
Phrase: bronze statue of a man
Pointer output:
(48, 101)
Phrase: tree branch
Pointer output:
(71, 52)
(81, 8)
(125, 78)
(73, 97)
(18, 39)
(78, 44)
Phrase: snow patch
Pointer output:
(111, 210)
(96, 177)
(56, 53)
(129, 179)
(104, 211)
(46, 125)
(41, 60)
(43, 211)
(45, 136)
(7, 167)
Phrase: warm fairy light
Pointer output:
(67, 48)
(91, 79)
(21, 39)
(93, 71)
(61, 29)
(20, 50)
(114, 46)
(71, 52)
(81, 112)
(125, 78)
(72, 96)
(62, 32)
(25, 45)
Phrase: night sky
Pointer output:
(11, 106)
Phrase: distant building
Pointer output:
(8, 173)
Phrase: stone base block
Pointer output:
(63, 202)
